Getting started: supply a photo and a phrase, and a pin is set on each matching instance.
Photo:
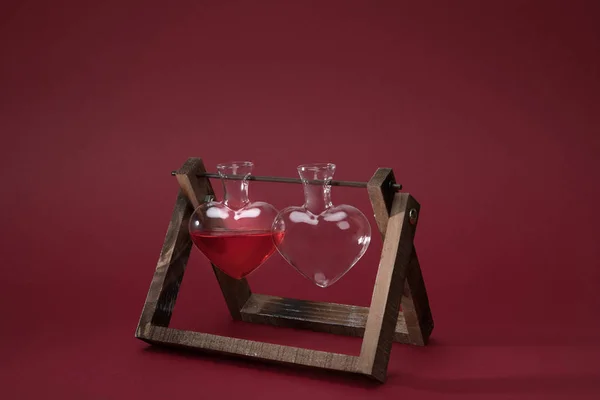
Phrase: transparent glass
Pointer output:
(234, 234)
(320, 240)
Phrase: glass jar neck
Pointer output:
(235, 184)
(317, 195)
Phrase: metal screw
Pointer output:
(412, 215)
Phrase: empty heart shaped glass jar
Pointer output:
(320, 240)
(234, 234)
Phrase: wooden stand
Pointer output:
(399, 281)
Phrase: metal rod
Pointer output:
(278, 179)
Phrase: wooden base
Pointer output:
(399, 281)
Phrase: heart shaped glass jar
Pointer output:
(320, 240)
(234, 234)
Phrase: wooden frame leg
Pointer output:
(385, 304)
(174, 255)
(415, 305)
(415, 318)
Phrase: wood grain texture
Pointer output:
(339, 319)
(251, 349)
(415, 305)
(385, 304)
(415, 302)
(381, 196)
(195, 189)
(236, 292)
(168, 274)
(174, 254)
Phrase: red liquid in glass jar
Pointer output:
(236, 253)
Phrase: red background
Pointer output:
(487, 111)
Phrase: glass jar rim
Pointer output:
(235, 164)
(316, 167)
